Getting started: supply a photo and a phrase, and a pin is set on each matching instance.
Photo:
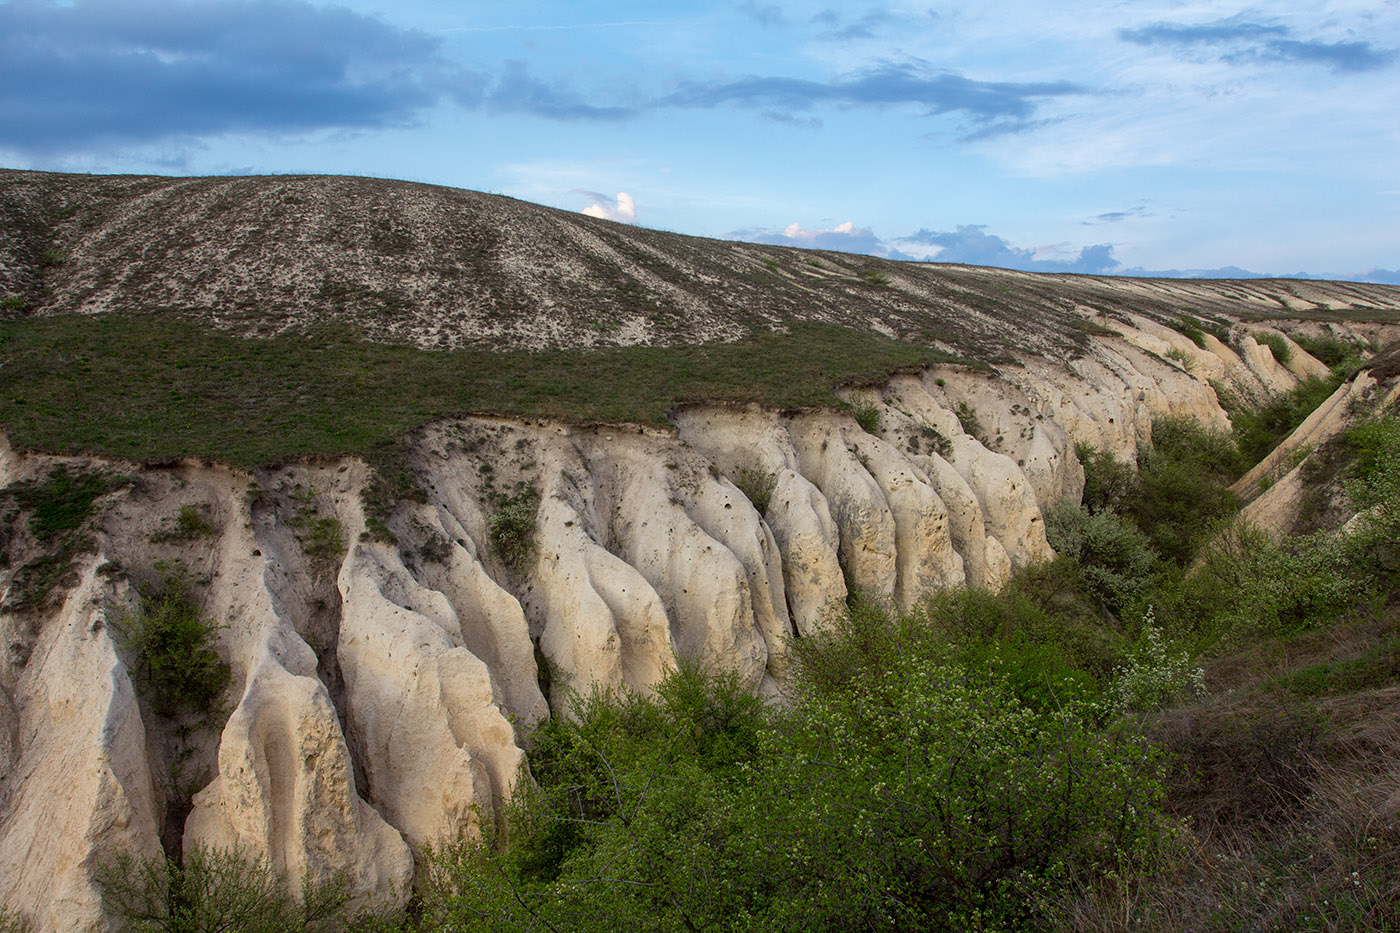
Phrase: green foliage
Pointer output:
(1181, 357)
(910, 783)
(321, 536)
(1115, 558)
(52, 258)
(158, 386)
(632, 821)
(967, 417)
(1190, 328)
(192, 522)
(868, 417)
(1108, 481)
(1374, 473)
(14, 303)
(1154, 675)
(757, 485)
(1248, 586)
(877, 278)
(59, 508)
(936, 441)
(62, 502)
(1277, 345)
(1336, 354)
(1373, 486)
(1257, 432)
(1182, 489)
(214, 890)
(177, 668)
(513, 528)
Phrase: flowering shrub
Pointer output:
(1154, 675)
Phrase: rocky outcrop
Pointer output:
(383, 672)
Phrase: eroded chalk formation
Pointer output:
(383, 672)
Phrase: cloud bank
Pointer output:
(971, 244)
(97, 73)
(139, 70)
(1239, 41)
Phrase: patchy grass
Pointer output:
(56, 510)
(191, 523)
(868, 417)
(154, 386)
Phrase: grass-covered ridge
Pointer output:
(156, 386)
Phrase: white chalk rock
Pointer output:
(286, 793)
(1260, 360)
(924, 556)
(867, 527)
(436, 750)
(703, 586)
(1007, 499)
(729, 517)
(492, 627)
(604, 626)
(808, 541)
(80, 788)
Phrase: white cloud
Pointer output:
(621, 209)
(845, 237)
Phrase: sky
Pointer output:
(1164, 138)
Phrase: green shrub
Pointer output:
(1277, 345)
(1191, 329)
(1115, 558)
(177, 668)
(14, 303)
(967, 417)
(512, 528)
(757, 485)
(58, 508)
(876, 278)
(62, 502)
(919, 791)
(1155, 675)
(1108, 481)
(1258, 432)
(1248, 585)
(868, 417)
(321, 537)
(214, 890)
(1336, 354)
(191, 523)
(1182, 492)
(1182, 358)
(936, 441)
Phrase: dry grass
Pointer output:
(1288, 801)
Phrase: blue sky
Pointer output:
(1166, 137)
